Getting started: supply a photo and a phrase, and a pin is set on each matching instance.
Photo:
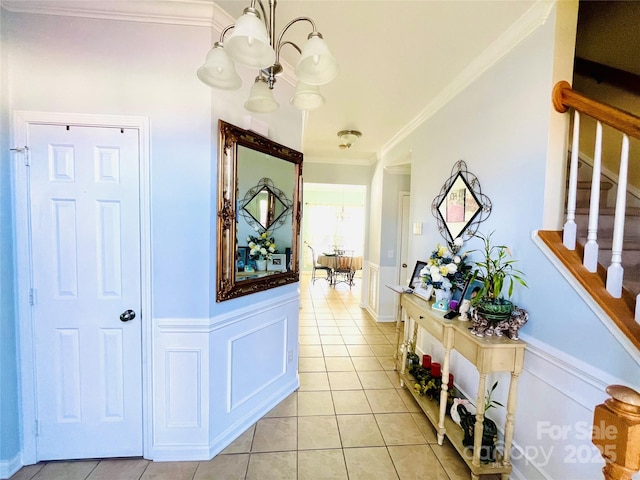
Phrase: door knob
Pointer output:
(127, 315)
(404, 265)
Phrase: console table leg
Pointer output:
(444, 395)
(508, 425)
(477, 432)
(398, 322)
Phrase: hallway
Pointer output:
(349, 420)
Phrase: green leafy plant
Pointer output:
(488, 401)
(495, 269)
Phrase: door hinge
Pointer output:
(25, 151)
(33, 296)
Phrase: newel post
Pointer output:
(616, 432)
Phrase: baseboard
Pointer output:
(177, 453)
(226, 438)
(9, 467)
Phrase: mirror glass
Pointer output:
(265, 206)
(461, 206)
(458, 207)
(258, 213)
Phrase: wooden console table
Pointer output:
(488, 354)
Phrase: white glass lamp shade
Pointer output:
(316, 65)
(307, 97)
(261, 98)
(218, 70)
(249, 42)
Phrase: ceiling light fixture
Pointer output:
(253, 43)
(348, 138)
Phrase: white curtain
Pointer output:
(330, 226)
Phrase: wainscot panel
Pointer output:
(214, 378)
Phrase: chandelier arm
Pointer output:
(286, 27)
(224, 32)
(288, 43)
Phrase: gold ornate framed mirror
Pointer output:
(258, 213)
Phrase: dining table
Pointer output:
(329, 260)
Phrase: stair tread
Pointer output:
(628, 245)
(629, 211)
(586, 184)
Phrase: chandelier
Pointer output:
(253, 42)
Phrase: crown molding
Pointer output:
(363, 161)
(198, 13)
(398, 169)
(177, 12)
(528, 23)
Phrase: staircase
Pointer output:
(631, 243)
(608, 271)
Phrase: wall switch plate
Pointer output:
(417, 228)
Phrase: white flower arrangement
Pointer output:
(445, 268)
(261, 247)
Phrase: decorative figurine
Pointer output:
(485, 328)
(464, 310)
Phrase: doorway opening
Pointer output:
(333, 217)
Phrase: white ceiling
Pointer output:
(398, 59)
(395, 58)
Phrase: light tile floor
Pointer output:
(349, 420)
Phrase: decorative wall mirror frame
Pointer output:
(460, 206)
(242, 151)
(265, 206)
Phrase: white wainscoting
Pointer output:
(557, 395)
(373, 289)
(382, 302)
(214, 378)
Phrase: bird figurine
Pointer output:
(465, 306)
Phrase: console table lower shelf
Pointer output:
(455, 434)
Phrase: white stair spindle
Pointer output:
(638, 308)
(570, 227)
(590, 260)
(615, 272)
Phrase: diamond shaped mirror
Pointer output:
(265, 206)
(461, 206)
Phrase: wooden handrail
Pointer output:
(564, 97)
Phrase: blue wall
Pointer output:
(9, 435)
(99, 66)
(499, 126)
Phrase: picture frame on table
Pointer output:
(242, 258)
(471, 289)
(416, 282)
(277, 262)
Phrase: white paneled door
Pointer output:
(85, 252)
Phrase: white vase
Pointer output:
(261, 264)
(442, 299)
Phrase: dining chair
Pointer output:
(343, 271)
(317, 266)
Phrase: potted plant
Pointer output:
(489, 431)
(495, 270)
